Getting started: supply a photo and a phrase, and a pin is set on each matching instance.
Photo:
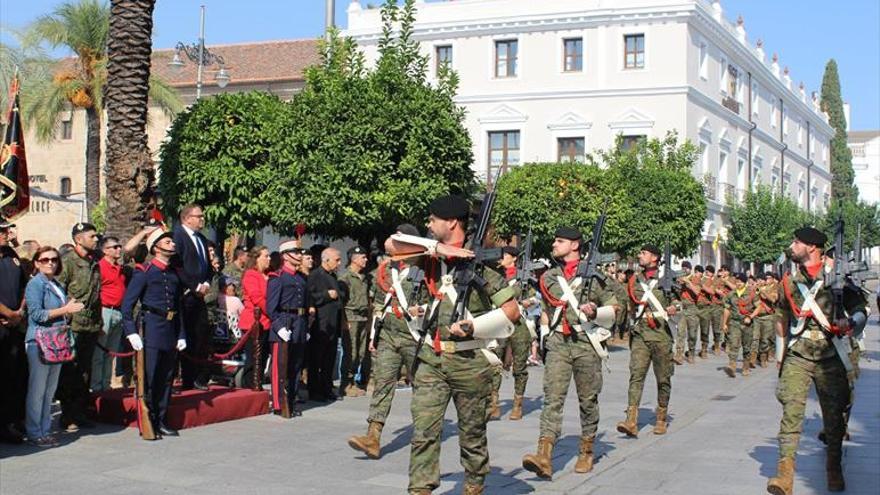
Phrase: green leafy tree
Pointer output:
(668, 203)
(82, 27)
(762, 226)
(842, 187)
(368, 149)
(545, 196)
(855, 214)
(218, 155)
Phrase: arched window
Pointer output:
(65, 186)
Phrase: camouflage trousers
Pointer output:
(520, 344)
(705, 321)
(833, 389)
(396, 349)
(642, 355)
(739, 335)
(466, 378)
(688, 328)
(567, 358)
(715, 312)
(764, 332)
(355, 341)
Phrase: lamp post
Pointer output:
(199, 54)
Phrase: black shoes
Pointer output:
(167, 432)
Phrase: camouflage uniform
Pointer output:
(520, 344)
(619, 290)
(651, 343)
(717, 309)
(356, 336)
(570, 355)
(689, 323)
(704, 315)
(395, 347)
(465, 376)
(765, 323)
(813, 358)
(740, 304)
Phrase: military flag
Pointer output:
(14, 182)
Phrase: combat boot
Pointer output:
(369, 443)
(678, 358)
(731, 369)
(690, 356)
(783, 482)
(747, 370)
(834, 473)
(516, 412)
(631, 425)
(494, 410)
(584, 462)
(762, 362)
(704, 352)
(472, 489)
(753, 359)
(660, 424)
(716, 349)
(541, 463)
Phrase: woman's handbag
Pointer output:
(55, 344)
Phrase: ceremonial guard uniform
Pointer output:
(737, 324)
(816, 349)
(394, 335)
(159, 290)
(454, 367)
(575, 349)
(650, 344)
(287, 306)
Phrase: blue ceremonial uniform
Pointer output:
(159, 290)
(286, 305)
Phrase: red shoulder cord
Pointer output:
(382, 281)
(786, 288)
(743, 303)
(630, 290)
(556, 303)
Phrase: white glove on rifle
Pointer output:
(181, 344)
(284, 334)
(135, 341)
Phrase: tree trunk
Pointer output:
(130, 173)
(93, 159)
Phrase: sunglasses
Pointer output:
(118, 246)
(47, 260)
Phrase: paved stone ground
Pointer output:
(721, 440)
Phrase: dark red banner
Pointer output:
(15, 195)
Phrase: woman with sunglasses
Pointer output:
(48, 306)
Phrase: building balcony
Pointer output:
(710, 186)
(727, 192)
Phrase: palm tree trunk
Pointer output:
(93, 159)
(130, 174)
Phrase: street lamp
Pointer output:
(199, 54)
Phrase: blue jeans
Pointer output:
(102, 363)
(42, 382)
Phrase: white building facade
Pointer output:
(865, 147)
(551, 81)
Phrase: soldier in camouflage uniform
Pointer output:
(455, 362)
(395, 345)
(650, 343)
(765, 317)
(813, 353)
(689, 323)
(703, 309)
(736, 323)
(81, 279)
(571, 353)
(716, 288)
(519, 343)
(355, 333)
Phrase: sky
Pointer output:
(805, 34)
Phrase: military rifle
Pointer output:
(669, 281)
(858, 267)
(588, 270)
(525, 272)
(145, 421)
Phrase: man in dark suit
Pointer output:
(326, 295)
(195, 273)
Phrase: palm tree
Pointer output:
(130, 177)
(78, 82)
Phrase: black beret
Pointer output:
(510, 250)
(686, 264)
(409, 229)
(81, 227)
(809, 235)
(769, 274)
(699, 269)
(651, 248)
(742, 277)
(570, 233)
(449, 207)
(710, 268)
(356, 250)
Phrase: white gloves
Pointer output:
(136, 343)
(284, 334)
(181, 344)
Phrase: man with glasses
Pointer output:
(114, 277)
(13, 363)
(195, 273)
(81, 280)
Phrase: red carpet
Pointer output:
(189, 409)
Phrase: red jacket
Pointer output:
(253, 289)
